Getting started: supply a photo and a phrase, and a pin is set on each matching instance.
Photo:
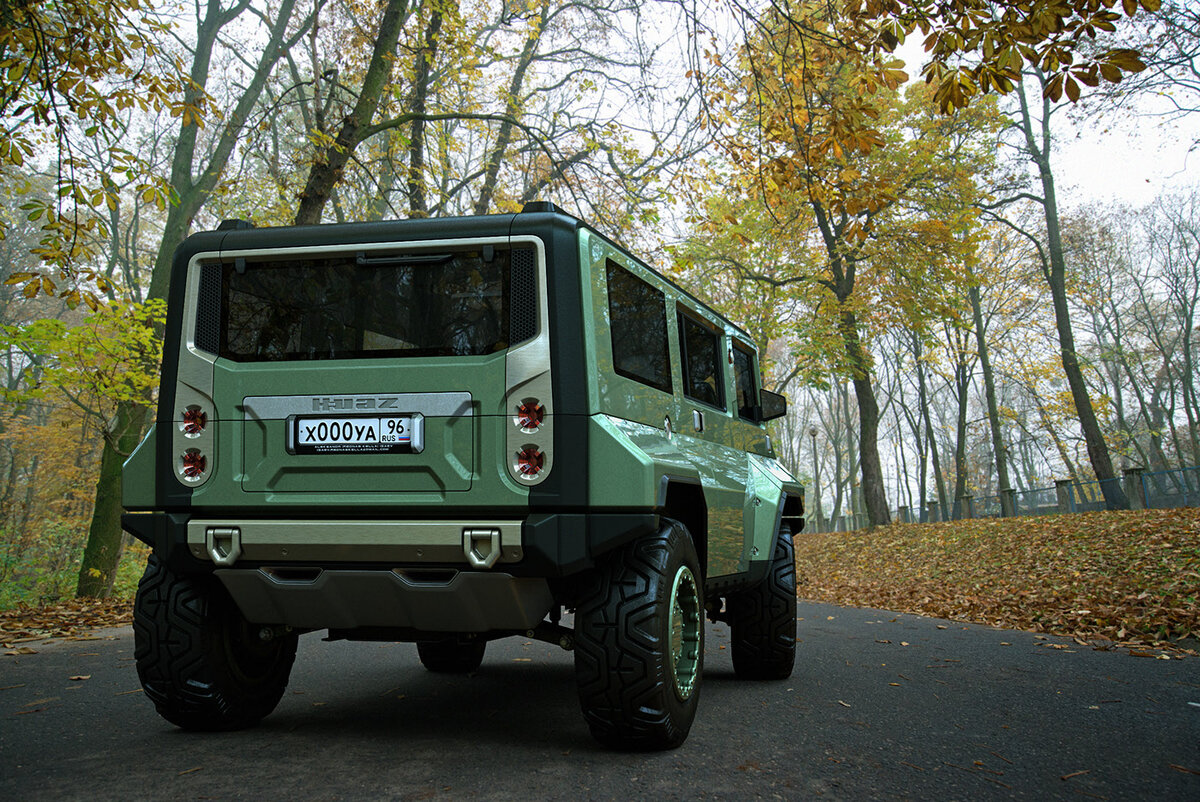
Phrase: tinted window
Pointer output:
(347, 306)
(701, 362)
(637, 315)
(743, 377)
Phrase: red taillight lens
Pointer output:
(530, 461)
(193, 464)
(530, 414)
(194, 421)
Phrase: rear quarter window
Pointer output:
(702, 377)
(637, 314)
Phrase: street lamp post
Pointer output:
(812, 430)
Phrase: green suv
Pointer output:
(445, 432)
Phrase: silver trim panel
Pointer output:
(285, 540)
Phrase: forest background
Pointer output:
(943, 322)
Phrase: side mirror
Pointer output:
(772, 406)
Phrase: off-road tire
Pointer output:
(202, 664)
(762, 619)
(451, 657)
(639, 642)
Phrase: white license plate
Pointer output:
(356, 435)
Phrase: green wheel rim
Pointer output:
(685, 633)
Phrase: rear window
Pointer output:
(348, 306)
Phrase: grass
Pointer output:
(1131, 578)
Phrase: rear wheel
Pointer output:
(763, 619)
(451, 657)
(203, 665)
(639, 642)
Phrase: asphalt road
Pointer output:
(880, 706)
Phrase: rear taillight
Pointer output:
(193, 421)
(192, 465)
(529, 461)
(530, 415)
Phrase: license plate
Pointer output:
(397, 434)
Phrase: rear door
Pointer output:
(360, 371)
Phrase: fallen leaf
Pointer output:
(80, 677)
(843, 704)
(20, 651)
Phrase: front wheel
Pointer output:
(200, 661)
(763, 618)
(639, 642)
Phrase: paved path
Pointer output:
(881, 706)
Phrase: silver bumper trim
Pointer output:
(353, 541)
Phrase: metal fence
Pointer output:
(1140, 489)
(1165, 489)
(1040, 501)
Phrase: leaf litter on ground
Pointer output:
(73, 619)
(1129, 578)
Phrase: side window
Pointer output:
(702, 380)
(637, 316)
(743, 378)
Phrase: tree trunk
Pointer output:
(874, 495)
(511, 108)
(989, 391)
(927, 418)
(417, 202)
(1097, 448)
(326, 171)
(102, 554)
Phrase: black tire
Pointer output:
(762, 620)
(639, 642)
(451, 657)
(201, 663)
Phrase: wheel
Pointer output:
(451, 657)
(203, 665)
(639, 642)
(762, 620)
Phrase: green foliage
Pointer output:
(43, 569)
(109, 358)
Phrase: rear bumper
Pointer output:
(543, 545)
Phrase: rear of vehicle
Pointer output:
(393, 431)
(351, 422)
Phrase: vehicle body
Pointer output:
(446, 431)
